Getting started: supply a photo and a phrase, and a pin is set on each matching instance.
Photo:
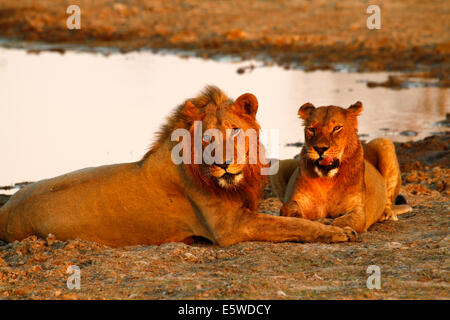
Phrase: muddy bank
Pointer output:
(412, 254)
(315, 34)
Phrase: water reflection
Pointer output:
(64, 112)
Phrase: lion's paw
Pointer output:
(351, 234)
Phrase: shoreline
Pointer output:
(314, 36)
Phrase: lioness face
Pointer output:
(229, 133)
(328, 131)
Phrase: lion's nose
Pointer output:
(320, 150)
(225, 164)
(222, 165)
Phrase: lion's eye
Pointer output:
(310, 130)
(337, 128)
(235, 132)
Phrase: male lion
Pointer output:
(155, 201)
(335, 177)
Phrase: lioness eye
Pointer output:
(310, 130)
(235, 131)
(337, 128)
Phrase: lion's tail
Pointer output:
(400, 206)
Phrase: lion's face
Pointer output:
(328, 132)
(229, 132)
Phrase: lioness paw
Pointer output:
(327, 221)
(291, 209)
(388, 214)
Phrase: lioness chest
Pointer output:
(319, 199)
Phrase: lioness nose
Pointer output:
(320, 150)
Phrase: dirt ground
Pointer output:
(412, 253)
(319, 34)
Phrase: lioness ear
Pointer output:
(305, 110)
(247, 103)
(355, 108)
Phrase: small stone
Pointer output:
(190, 257)
(281, 293)
(50, 239)
(393, 245)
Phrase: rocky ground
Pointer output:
(320, 34)
(412, 253)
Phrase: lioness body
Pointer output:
(154, 201)
(355, 188)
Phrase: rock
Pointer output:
(409, 133)
(393, 245)
(236, 34)
(121, 9)
(190, 257)
(50, 239)
(281, 293)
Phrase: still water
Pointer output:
(60, 113)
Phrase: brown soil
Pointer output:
(412, 254)
(414, 35)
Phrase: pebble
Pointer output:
(393, 245)
(281, 293)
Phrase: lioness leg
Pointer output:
(355, 220)
(381, 154)
(280, 181)
(255, 226)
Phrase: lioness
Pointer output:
(335, 178)
(154, 201)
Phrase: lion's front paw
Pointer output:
(351, 234)
(291, 209)
(337, 234)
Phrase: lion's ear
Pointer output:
(247, 103)
(190, 111)
(356, 108)
(305, 110)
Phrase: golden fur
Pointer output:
(154, 201)
(336, 181)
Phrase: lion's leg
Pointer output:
(255, 226)
(380, 152)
